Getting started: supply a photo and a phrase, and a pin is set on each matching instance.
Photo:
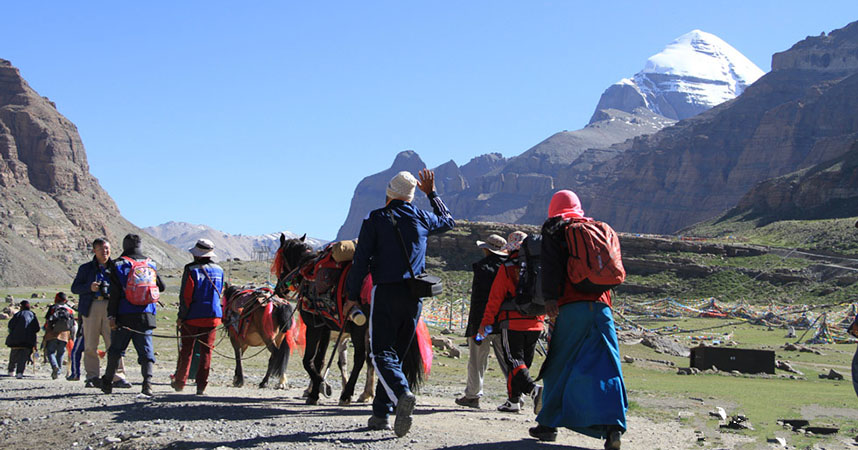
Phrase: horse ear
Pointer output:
(303, 237)
(282, 239)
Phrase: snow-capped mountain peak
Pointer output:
(695, 72)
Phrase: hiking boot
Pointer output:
(613, 440)
(543, 433)
(55, 372)
(19, 375)
(378, 423)
(122, 384)
(201, 392)
(404, 408)
(73, 378)
(147, 390)
(176, 386)
(510, 406)
(536, 395)
(106, 386)
(93, 383)
(469, 402)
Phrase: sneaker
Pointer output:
(510, 406)
(122, 384)
(378, 423)
(176, 386)
(73, 378)
(93, 383)
(106, 386)
(147, 390)
(536, 395)
(19, 375)
(613, 440)
(469, 402)
(404, 407)
(543, 433)
(55, 372)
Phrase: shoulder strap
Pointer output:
(203, 268)
(389, 214)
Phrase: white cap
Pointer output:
(402, 186)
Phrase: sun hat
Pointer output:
(204, 248)
(513, 242)
(402, 186)
(494, 244)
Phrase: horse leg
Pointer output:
(284, 351)
(369, 386)
(313, 353)
(272, 362)
(238, 377)
(342, 359)
(359, 341)
(319, 361)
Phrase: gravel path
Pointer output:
(37, 412)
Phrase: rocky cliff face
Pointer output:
(791, 119)
(51, 207)
(835, 52)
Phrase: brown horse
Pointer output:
(257, 317)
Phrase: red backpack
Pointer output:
(595, 263)
(141, 288)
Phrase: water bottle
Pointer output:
(479, 337)
(357, 316)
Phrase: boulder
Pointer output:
(667, 345)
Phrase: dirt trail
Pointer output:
(37, 412)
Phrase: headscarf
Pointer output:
(566, 205)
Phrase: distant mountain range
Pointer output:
(183, 235)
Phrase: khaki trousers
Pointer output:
(478, 361)
(95, 326)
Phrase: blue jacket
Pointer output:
(23, 328)
(140, 318)
(86, 274)
(379, 251)
(202, 286)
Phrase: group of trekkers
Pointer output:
(582, 384)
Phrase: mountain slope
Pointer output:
(51, 207)
(183, 236)
(693, 73)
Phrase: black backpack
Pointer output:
(61, 319)
(528, 299)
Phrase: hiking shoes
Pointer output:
(536, 395)
(147, 390)
(19, 375)
(469, 402)
(106, 386)
(122, 384)
(55, 372)
(404, 407)
(176, 386)
(543, 433)
(378, 423)
(73, 378)
(613, 440)
(510, 406)
(93, 383)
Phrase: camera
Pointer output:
(102, 289)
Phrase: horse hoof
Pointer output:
(312, 401)
(363, 399)
(238, 383)
(262, 385)
(280, 386)
(345, 402)
(327, 390)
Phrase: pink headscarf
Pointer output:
(567, 205)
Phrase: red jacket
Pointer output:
(503, 287)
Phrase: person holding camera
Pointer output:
(91, 284)
(395, 310)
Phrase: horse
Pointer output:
(293, 256)
(257, 317)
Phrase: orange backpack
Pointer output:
(595, 263)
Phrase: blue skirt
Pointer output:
(584, 389)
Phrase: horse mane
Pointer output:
(277, 265)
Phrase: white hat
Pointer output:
(402, 186)
(494, 244)
(203, 249)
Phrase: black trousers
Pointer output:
(18, 359)
(518, 350)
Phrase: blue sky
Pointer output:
(254, 117)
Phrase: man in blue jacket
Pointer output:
(129, 322)
(23, 328)
(91, 284)
(395, 311)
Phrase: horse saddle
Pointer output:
(247, 298)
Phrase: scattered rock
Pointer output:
(628, 359)
(454, 352)
(739, 422)
(666, 345)
(719, 413)
(831, 375)
(687, 371)
(443, 343)
(112, 440)
(777, 440)
(786, 366)
(446, 331)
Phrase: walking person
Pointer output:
(131, 322)
(76, 353)
(478, 351)
(200, 313)
(23, 329)
(395, 310)
(92, 284)
(60, 325)
(519, 332)
(584, 388)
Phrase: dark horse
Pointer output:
(256, 317)
(292, 255)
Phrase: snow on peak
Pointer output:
(703, 55)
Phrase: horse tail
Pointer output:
(284, 315)
(417, 361)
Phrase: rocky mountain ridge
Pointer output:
(51, 207)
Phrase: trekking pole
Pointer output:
(333, 352)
